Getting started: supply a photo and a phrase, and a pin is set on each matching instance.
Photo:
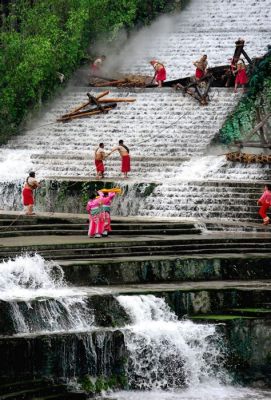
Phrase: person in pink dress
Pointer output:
(265, 202)
(107, 198)
(160, 74)
(96, 216)
(241, 76)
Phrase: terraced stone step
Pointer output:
(33, 393)
(154, 269)
(62, 355)
(122, 247)
(63, 232)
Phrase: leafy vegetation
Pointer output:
(258, 97)
(40, 38)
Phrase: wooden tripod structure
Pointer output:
(261, 132)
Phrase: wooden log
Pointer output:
(82, 114)
(75, 110)
(112, 83)
(102, 94)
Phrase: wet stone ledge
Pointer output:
(97, 353)
(166, 269)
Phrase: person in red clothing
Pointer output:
(160, 74)
(265, 202)
(241, 76)
(201, 67)
(125, 157)
(100, 156)
(97, 66)
(28, 198)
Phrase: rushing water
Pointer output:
(38, 300)
(171, 359)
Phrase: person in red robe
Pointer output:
(241, 76)
(265, 202)
(100, 156)
(125, 157)
(160, 74)
(28, 192)
(201, 67)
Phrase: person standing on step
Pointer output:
(241, 76)
(30, 185)
(97, 66)
(125, 157)
(160, 74)
(96, 216)
(265, 202)
(201, 67)
(107, 198)
(100, 156)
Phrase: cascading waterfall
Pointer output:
(166, 353)
(174, 360)
(37, 298)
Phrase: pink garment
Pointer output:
(106, 209)
(96, 224)
(96, 216)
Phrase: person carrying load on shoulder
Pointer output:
(125, 157)
(201, 67)
(96, 216)
(30, 185)
(160, 74)
(107, 196)
(265, 202)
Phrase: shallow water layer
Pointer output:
(208, 391)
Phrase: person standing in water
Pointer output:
(241, 76)
(201, 67)
(160, 74)
(265, 202)
(125, 157)
(100, 156)
(30, 185)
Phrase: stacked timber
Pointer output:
(94, 105)
(128, 80)
(248, 158)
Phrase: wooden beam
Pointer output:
(86, 104)
(257, 127)
(83, 114)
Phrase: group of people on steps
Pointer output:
(237, 69)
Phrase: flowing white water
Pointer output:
(172, 360)
(38, 299)
(166, 353)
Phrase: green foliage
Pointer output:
(43, 37)
(243, 119)
(95, 385)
